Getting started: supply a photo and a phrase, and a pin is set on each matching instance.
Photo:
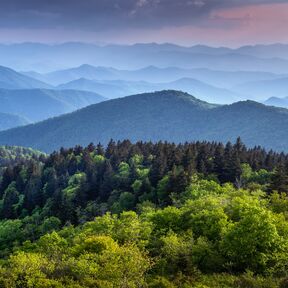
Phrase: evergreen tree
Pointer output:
(10, 199)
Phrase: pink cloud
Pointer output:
(250, 24)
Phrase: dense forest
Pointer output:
(144, 215)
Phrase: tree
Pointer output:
(254, 241)
(10, 199)
(206, 217)
(126, 201)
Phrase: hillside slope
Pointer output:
(277, 102)
(10, 79)
(8, 121)
(40, 104)
(166, 115)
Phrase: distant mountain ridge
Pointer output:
(166, 115)
(53, 57)
(120, 88)
(39, 104)
(217, 86)
(8, 121)
(10, 79)
(153, 74)
(277, 102)
(265, 88)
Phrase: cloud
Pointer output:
(101, 15)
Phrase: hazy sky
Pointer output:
(188, 22)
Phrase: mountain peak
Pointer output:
(247, 103)
(86, 66)
(256, 107)
(172, 95)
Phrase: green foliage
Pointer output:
(253, 241)
(123, 218)
(206, 217)
(230, 231)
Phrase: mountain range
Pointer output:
(153, 74)
(120, 88)
(167, 115)
(47, 57)
(24, 99)
(212, 75)
(209, 85)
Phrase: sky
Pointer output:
(184, 22)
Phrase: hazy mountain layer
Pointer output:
(39, 104)
(153, 74)
(277, 102)
(44, 57)
(10, 79)
(261, 90)
(120, 88)
(8, 121)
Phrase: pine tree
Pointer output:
(10, 199)
(106, 186)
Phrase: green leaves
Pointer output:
(252, 242)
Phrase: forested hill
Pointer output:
(167, 115)
(166, 216)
